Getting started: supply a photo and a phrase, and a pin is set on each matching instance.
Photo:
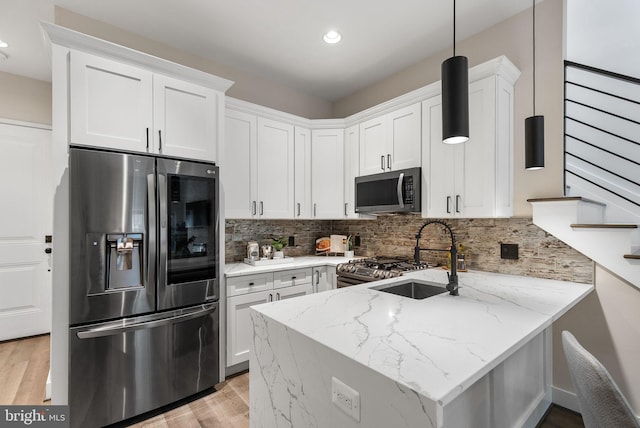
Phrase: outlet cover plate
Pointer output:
(345, 398)
(509, 251)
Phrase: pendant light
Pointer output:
(534, 125)
(455, 95)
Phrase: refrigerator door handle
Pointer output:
(162, 236)
(150, 279)
(120, 328)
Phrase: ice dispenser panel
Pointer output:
(124, 261)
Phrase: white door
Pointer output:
(406, 138)
(111, 104)
(239, 326)
(239, 165)
(185, 119)
(275, 169)
(373, 146)
(327, 173)
(302, 170)
(26, 213)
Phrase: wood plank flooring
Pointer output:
(24, 365)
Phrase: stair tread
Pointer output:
(565, 198)
(604, 226)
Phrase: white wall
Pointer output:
(604, 34)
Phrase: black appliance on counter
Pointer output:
(144, 283)
(359, 271)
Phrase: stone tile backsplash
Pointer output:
(540, 254)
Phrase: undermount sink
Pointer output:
(413, 289)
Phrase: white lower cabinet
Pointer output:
(322, 280)
(249, 290)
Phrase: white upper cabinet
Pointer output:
(351, 168)
(120, 106)
(302, 171)
(110, 104)
(327, 173)
(257, 169)
(471, 179)
(185, 118)
(240, 164)
(275, 169)
(391, 142)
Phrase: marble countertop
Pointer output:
(437, 347)
(241, 268)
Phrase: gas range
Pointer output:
(359, 271)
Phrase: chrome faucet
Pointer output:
(452, 286)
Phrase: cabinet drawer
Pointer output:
(249, 283)
(291, 277)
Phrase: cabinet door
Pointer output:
(373, 146)
(302, 171)
(239, 166)
(291, 292)
(275, 169)
(438, 160)
(405, 137)
(110, 104)
(327, 173)
(185, 119)
(476, 169)
(321, 279)
(351, 168)
(239, 328)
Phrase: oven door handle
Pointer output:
(399, 190)
(153, 323)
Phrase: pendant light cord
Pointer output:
(454, 27)
(534, 57)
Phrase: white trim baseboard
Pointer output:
(566, 399)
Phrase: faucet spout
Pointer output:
(452, 284)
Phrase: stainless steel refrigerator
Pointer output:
(144, 283)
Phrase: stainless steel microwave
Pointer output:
(389, 192)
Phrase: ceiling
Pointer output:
(277, 39)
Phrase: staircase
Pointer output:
(600, 212)
(580, 223)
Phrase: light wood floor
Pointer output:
(24, 365)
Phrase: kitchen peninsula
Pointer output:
(480, 359)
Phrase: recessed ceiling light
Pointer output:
(332, 37)
(3, 44)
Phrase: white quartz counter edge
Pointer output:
(239, 269)
(437, 347)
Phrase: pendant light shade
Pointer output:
(534, 125)
(534, 142)
(455, 95)
(455, 100)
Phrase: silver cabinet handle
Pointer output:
(298, 204)
(448, 204)
(159, 140)
(147, 138)
(382, 162)
(345, 209)
(277, 296)
(253, 207)
(314, 210)
(261, 208)
(122, 327)
(270, 297)
(389, 161)
(457, 203)
(399, 190)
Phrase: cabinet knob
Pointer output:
(48, 250)
(251, 284)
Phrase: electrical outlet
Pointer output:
(509, 251)
(345, 398)
(357, 241)
(292, 241)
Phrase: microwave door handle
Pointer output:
(399, 189)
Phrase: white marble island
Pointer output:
(480, 359)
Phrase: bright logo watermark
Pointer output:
(34, 416)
